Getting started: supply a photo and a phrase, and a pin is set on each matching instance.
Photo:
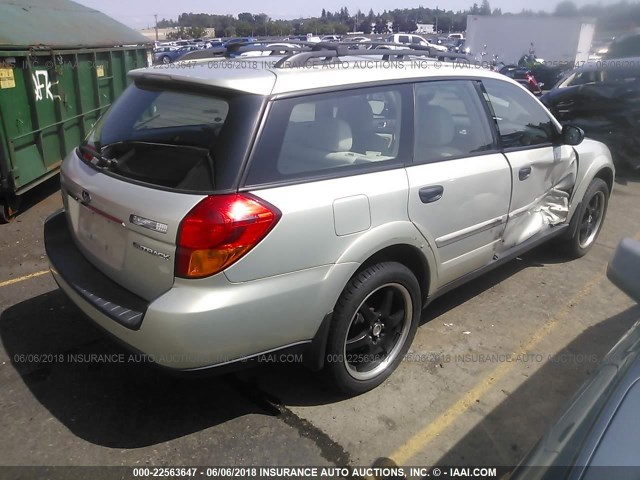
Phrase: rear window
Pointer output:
(175, 139)
(174, 109)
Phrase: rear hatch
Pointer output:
(157, 152)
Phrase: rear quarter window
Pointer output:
(329, 134)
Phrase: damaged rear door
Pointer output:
(543, 172)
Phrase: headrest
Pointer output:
(330, 135)
(435, 126)
(356, 111)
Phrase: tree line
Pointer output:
(617, 17)
(339, 22)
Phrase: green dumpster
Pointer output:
(61, 66)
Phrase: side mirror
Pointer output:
(624, 268)
(571, 135)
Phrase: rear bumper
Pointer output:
(201, 323)
(107, 297)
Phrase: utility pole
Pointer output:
(156, 17)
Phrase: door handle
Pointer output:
(431, 194)
(524, 173)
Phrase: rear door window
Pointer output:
(450, 121)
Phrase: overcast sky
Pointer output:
(139, 13)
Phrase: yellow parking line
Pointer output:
(422, 438)
(6, 283)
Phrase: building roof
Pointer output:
(60, 24)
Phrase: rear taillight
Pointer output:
(88, 152)
(220, 230)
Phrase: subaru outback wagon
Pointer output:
(214, 215)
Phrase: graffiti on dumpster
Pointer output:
(43, 85)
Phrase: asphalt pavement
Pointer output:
(491, 366)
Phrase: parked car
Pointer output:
(599, 431)
(412, 39)
(213, 43)
(270, 49)
(170, 56)
(603, 98)
(358, 39)
(214, 216)
(547, 74)
(627, 46)
(301, 38)
(239, 40)
(524, 76)
(159, 52)
(456, 45)
(330, 38)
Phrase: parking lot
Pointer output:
(491, 365)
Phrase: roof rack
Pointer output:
(298, 53)
(237, 48)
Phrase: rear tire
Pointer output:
(590, 218)
(373, 325)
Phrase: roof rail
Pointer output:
(341, 50)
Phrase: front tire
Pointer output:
(589, 218)
(373, 325)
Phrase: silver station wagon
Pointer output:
(314, 203)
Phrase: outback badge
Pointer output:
(144, 248)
